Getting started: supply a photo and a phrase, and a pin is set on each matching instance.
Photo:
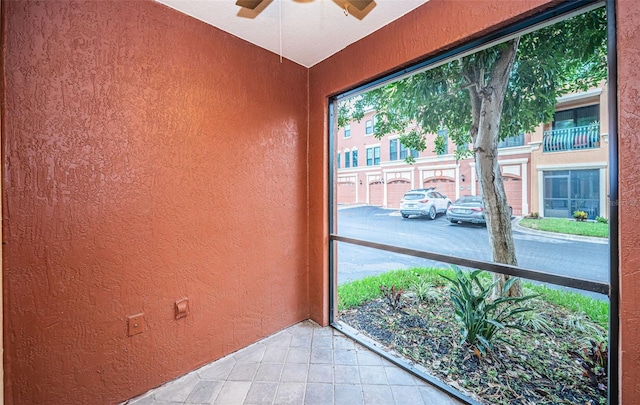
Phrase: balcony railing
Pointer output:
(585, 137)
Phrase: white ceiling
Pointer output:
(304, 31)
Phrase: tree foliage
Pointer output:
(492, 94)
(558, 59)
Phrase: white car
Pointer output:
(424, 201)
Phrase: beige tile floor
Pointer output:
(303, 364)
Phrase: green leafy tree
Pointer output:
(490, 95)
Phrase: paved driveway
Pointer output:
(588, 259)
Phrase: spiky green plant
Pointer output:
(536, 322)
(425, 290)
(481, 318)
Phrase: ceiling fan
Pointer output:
(362, 6)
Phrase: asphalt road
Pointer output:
(558, 255)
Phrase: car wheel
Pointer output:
(453, 221)
(432, 212)
(405, 216)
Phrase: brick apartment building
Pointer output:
(555, 170)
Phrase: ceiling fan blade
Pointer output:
(359, 4)
(356, 8)
(250, 4)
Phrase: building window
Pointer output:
(444, 134)
(354, 157)
(511, 141)
(347, 161)
(368, 127)
(404, 152)
(338, 159)
(347, 131)
(566, 191)
(576, 117)
(573, 129)
(373, 156)
(393, 149)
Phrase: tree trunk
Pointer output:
(487, 111)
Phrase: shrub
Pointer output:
(534, 215)
(580, 215)
(581, 322)
(602, 220)
(536, 322)
(424, 290)
(480, 318)
(392, 295)
(594, 362)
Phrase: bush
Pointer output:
(482, 319)
(424, 290)
(580, 215)
(602, 220)
(393, 296)
(534, 215)
(594, 362)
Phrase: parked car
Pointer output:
(423, 201)
(468, 209)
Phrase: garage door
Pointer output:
(395, 192)
(513, 190)
(376, 193)
(346, 193)
(443, 185)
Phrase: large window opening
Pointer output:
(494, 287)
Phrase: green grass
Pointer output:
(568, 226)
(596, 310)
(355, 293)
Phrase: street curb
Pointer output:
(346, 207)
(589, 239)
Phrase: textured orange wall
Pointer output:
(418, 34)
(147, 157)
(628, 35)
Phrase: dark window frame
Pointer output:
(612, 288)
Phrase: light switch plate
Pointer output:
(136, 324)
(182, 308)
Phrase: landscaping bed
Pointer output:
(540, 366)
(567, 226)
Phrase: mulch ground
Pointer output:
(532, 368)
